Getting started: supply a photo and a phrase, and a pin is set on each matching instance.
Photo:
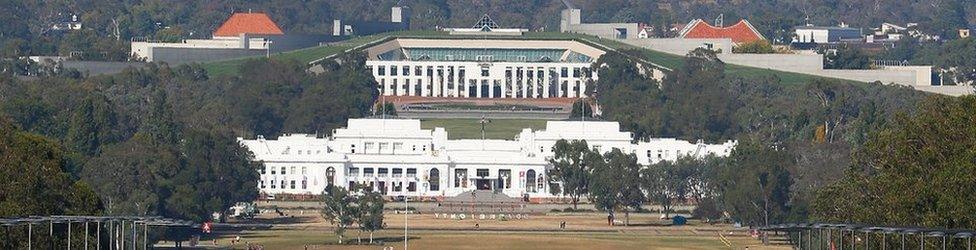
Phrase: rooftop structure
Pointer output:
(741, 32)
(398, 157)
(571, 22)
(482, 68)
(241, 35)
(486, 26)
(248, 23)
(824, 34)
(399, 20)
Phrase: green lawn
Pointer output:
(471, 128)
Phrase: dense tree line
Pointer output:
(162, 140)
(38, 183)
(25, 29)
(793, 139)
(917, 171)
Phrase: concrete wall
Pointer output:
(680, 46)
(800, 63)
(603, 30)
(189, 55)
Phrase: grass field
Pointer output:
(583, 231)
(471, 128)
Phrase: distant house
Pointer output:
(645, 31)
(964, 33)
(241, 35)
(70, 22)
(824, 34)
(741, 32)
(252, 24)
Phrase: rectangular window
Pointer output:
(369, 147)
(397, 186)
(293, 170)
(273, 186)
(406, 70)
(649, 155)
(393, 70)
(264, 170)
(484, 71)
(383, 172)
(283, 184)
(418, 70)
(411, 172)
(304, 184)
(461, 178)
(292, 184)
(383, 147)
(352, 149)
(397, 146)
(482, 172)
(368, 172)
(283, 170)
(397, 172)
(564, 72)
(412, 187)
(353, 172)
(381, 70)
(304, 170)
(262, 183)
(659, 154)
(576, 72)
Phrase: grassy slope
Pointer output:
(471, 128)
(230, 67)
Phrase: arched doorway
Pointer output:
(530, 181)
(434, 180)
(330, 176)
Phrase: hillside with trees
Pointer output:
(108, 26)
(173, 130)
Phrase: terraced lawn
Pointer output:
(505, 129)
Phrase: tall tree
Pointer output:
(572, 167)
(616, 184)
(755, 184)
(369, 212)
(339, 209)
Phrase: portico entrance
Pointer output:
(482, 184)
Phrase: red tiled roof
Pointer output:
(740, 32)
(249, 23)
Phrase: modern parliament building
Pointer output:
(397, 157)
(490, 62)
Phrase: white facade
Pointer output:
(481, 80)
(397, 157)
(480, 68)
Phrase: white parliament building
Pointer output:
(479, 67)
(397, 157)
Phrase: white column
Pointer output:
(546, 82)
(522, 84)
(438, 81)
(446, 81)
(452, 79)
(459, 83)
(477, 85)
(424, 82)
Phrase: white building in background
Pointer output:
(397, 157)
(482, 68)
